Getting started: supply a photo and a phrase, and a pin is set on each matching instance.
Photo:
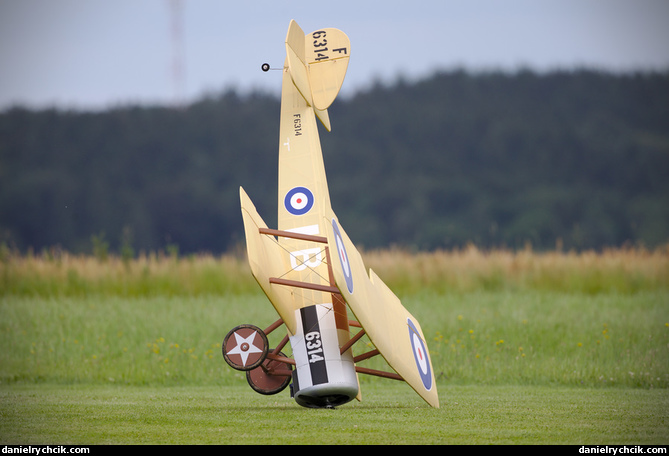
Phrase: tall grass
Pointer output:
(57, 273)
(64, 274)
(623, 270)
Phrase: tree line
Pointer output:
(498, 159)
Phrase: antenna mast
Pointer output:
(178, 71)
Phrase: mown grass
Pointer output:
(513, 335)
(389, 414)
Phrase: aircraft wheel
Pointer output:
(245, 347)
(271, 377)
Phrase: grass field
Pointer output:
(390, 413)
(527, 347)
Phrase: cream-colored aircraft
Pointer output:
(309, 268)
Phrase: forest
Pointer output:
(574, 159)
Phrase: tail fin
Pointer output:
(317, 63)
(296, 58)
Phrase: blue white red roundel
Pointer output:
(420, 355)
(299, 200)
(343, 257)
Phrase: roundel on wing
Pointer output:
(299, 200)
(420, 355)
(343, 257)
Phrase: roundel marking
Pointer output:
(299, 200)
(343, 257)
(420, 356)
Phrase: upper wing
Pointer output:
(391, 328)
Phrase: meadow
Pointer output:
(528, 347)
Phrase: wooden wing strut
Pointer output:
(332, 288)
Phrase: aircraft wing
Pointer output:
(267, 259)
(391, 328)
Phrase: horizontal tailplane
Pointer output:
(317, 63)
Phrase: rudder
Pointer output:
(317, 63)
(327, 52)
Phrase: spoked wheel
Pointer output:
(245, 347)
(271, 377)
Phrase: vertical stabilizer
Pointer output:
(317, 63)
(295, 57)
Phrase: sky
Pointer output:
(97, 54)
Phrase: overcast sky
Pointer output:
(92, 54)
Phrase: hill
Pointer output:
(577, 158)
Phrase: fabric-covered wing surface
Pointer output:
(391, 328)
(267, 259)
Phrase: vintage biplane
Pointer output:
(309, 268)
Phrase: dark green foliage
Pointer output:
(497, 159)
